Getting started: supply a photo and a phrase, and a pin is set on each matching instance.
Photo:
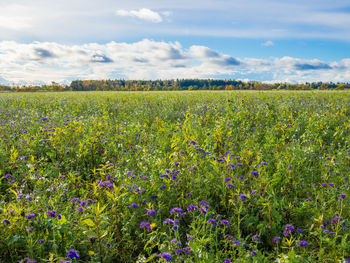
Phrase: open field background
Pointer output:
(175, 176)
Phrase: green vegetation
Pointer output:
(243, 176)
(170, 85)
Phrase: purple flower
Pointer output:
(289, 227)
(342, 196)
(213, 221)
(192, 207)
(51, 213)
(225, 222)
(230, 185)
(256, 237)
(134, 205)
(72, 254)
(243, 196)
(303, 243)
(299, 231)
(175, 209)
(150, 212)
(145, 225)
(80, 209)
(227, 260)
(108, 245)
(236, 242)
(276, 239)
(41, 241)
(30, 215)
(255, 173)
(6, 222)
(253, 253)
(168, 220)
(227, 179)
(175, 227)
(166, 256)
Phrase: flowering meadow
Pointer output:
(243, 176)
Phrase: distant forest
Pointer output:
(179, 84)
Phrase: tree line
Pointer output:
(168, 85)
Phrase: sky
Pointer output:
(293, 41)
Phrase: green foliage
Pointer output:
(198, 176)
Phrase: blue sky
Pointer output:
(265, 40)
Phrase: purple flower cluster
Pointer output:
(72, 254)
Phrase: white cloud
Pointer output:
(147, 59)
(143, 14)
(268, 43)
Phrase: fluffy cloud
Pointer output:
(143, 14)
(268, 43)
(147, 59)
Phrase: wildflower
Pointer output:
(150, 212)
(175, 227)
(175, 209)
(299, 231)
(41, 241)
(255, 173)
(51, 213)
(276, 239)
(225, 222)
(227, 260)
(166, 256)
(243, 196)
(192, 207)
(230, 185)
(342, 196)
(108, 245)
(80, 209)
(6, 222)
(203, 210)
(72, 254)
(227, 179)
(168, 220)
(288, 230)
(253, 253)
(236, 242)
(256, 237)
(146, 225)
(303, 243)
(134, 205)
(213, 221)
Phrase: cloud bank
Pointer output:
(39, 62)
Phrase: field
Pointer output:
(175, 176)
